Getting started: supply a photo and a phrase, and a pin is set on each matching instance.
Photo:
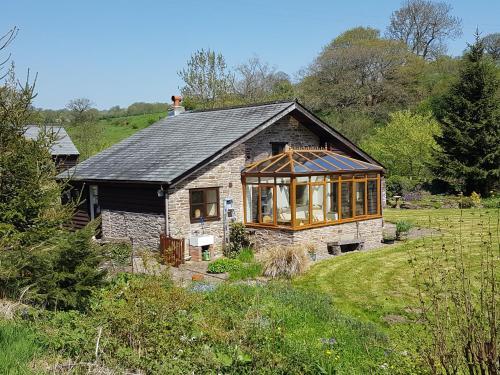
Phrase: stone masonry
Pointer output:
(370, 231)
(143, 228)
(225, 173)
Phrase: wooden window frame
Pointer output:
(205, 203)
(329, 178)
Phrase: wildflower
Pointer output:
(328, 352)
(384, 366)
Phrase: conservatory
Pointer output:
(308, 188)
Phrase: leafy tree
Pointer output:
(424, 26)
(208, 81)
(469, 114)
(492, 45)
(406, 145)
(39, 260)
(82, 110)
(360, 74)
(257, 81)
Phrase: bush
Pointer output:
(400, 185)
(402, 228)
(151, 326)
(284, 261)
(238, 239)
(246, 271)
(59, 274)
(246, 255)
(224, 265)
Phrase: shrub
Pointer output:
(284, 261)
(246, 255)
(246, 271)
(476, 199)
(238, 239)
(402, 228)
(224, 265)
(400, 185)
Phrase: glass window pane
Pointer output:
(346, 200)
(331, 201)
(252, 196)
(266, 205)
(197, 211)
(197, 196)
(211, 195)
(267, 180)
(282, 180)
(360, 198)
(297, 168)
(372, 197)
(301, 180)
(211, 209)
(283, 204)
(317, 178)
(318, 214)
(302, 204)
(250, 180)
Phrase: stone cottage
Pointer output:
(276, 167)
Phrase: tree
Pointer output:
(469, 114)
(361, 76)
(258, 81)
(492, 45)
(208, 81)
(81, 109)
(405, 146)
(40, 261)
(424, 26)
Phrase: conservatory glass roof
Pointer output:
(309, 161)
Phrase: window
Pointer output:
(360, 198)
(278, 147)
(372, 197)
(332, 201)
(284, 212)
(346, 200)
(302, 201)
(204, 204)
(252, 203)
(267, 205)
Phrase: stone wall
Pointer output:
(143, 228)
(370, 231)
(288, 129)
(225, 173)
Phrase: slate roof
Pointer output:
(63, 144)
(165, 150)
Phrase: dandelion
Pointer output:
(328, 352)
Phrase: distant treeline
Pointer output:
(66, 115)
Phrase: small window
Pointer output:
(204, 204)
(278, 147)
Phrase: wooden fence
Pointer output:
(172, 250)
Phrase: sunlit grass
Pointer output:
(375, 284)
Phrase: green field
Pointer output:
(97, 136)
(377, 284)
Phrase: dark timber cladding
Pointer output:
(139, 198)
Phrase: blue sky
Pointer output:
(119, 52)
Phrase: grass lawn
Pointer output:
(374, 284)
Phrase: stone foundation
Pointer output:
(370, 231)
(143, 229)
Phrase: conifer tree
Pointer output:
(469, 114)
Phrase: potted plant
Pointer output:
(402, 229)
(388, 238)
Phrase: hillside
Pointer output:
(101, 134)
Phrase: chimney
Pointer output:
(177, 108)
